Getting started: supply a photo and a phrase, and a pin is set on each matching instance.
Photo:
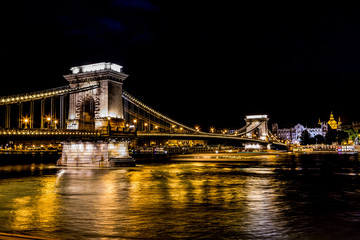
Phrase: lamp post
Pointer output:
(135, 124)
(197, 128)
(108, 125)
(26, 121)
(48, 120)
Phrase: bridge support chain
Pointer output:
(7, 116)
(62, 111)
(52, 112)
(20, 115)
(42, 114)
(32, 114)
(100, 153)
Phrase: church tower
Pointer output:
(332, 122)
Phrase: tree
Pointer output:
(333, 136)
(319, 139)
(305, 138)
(353, 134)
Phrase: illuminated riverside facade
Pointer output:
(293, 134)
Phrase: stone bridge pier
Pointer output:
(96, 154)
(96, 109)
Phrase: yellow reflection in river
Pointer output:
(38, 209)
(181, 185)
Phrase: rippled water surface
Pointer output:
(256, 197)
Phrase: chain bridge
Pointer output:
(96, 119)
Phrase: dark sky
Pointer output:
(199, 62)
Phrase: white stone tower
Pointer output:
(259, 122)
(96, 108)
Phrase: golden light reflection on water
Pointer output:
(173, 200)
(38, 210)
(262, 211)
(136, 201)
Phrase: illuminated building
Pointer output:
(332, 123)
(293, 134)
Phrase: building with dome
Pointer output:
(293, 134)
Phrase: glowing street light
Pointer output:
(48, 120)
(26, 121)
(135, 124)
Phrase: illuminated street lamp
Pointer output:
(212, 129)
(108, 125)
(48, 120)
(26, 121)
(55, 124)
(135, 124)
(197, 128)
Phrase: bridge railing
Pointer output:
(47, 132)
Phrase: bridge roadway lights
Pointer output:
(100, 153)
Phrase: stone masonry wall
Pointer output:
(86, 153)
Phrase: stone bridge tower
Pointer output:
(257, 126)
(96, 108)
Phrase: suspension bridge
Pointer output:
(96, 119)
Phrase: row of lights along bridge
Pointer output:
(147, 127)
(53, 124)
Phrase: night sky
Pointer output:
(199, 62)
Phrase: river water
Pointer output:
(281, 196)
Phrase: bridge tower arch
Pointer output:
(257, 124)
(87, 113)
(103, 103)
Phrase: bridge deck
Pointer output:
(67, 133)
(202, 137)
